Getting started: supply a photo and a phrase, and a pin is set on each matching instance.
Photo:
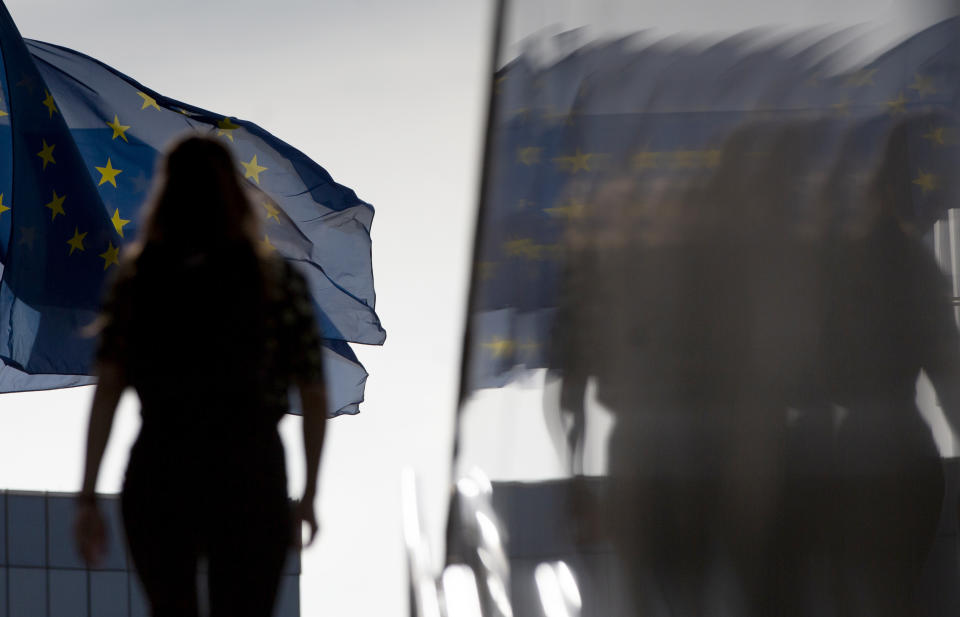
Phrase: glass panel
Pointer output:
(60, 513)
(25, 530)
(68, 593)
(27, 592)
(116, 557)
(288, 597)
(109, 594)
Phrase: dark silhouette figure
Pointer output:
(211, 331)
(889, 318)
(711, 320)
(728, 323)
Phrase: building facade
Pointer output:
(41, 574)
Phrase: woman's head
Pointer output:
(199, 204)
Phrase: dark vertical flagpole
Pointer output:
(495, 49)
(498, 35)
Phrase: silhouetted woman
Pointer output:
(210, 331)
(890, 318)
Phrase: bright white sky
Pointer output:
(388, 96)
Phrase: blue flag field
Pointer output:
(640, 110)
(79, 143)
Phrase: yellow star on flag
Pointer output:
(272, 212)
(47, 153)
(148, 101)
(3, 113)
(56, 206)
(898, 105)
(925, 181)
(109, 174)
(111, 256)
(861, 78)
(118, 222)
(3, 208)
(923, 85)
(267, 245)
(119, 130)
(578, 161)
(523, 247)
(76, 242)
(936, 135)
(253, 169)
(529, 156)
(49, 103)
(500, 347)
(573, 210)
(226, 127)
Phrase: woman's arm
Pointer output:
(89, 529)
(305, 355)
(313, 398)
(110, 386)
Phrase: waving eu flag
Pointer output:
(80, 143)
(649, 113)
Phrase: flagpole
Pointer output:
(498, 35)
(485, 171)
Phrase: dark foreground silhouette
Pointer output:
(210, 330)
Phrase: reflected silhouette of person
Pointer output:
(210, 330)
(707, 300)
(635, 320)
(889, 318)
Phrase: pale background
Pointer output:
(389, 96)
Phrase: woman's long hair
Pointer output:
(199, 215)
(199, 205)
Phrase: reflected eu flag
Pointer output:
(79, 144)
(637, 114)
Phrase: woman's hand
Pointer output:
(303, 512)
(90, 532)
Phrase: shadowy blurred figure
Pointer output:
(210, 330)
(889, 318)
(725, 321)
(704, 318)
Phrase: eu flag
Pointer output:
(643, 112)
(80, 143)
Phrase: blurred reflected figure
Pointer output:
(889, 318)
(210, 330)
(708, 308)
(726, 320)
